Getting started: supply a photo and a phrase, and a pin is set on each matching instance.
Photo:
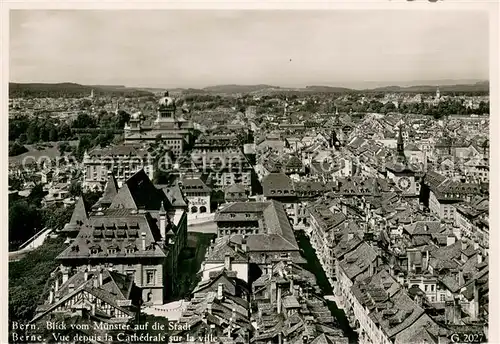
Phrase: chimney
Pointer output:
(476, 245)
(291, 286)
(220, 289)
(93, 308)
(305, 340)
(391, 269)
(350, 236)
(163, 222)
(244, 244)
(56, 287)
(458, 312)
(475, 311)
(209, 308)
(227, 262)
(426, 261)
(51, 296)
(479, 257)
(450, 240)
(100, 277)
(143, 240)
(278, 300)
(96, 281)
(86, 275)
(65, 275)
(370, 269)
(464, 244)
(71, 288)
(460, 276)
(273, 292)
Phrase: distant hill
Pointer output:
(38, 90)
(478, 87)
(70, 90)
(237, 88)
(329, 89)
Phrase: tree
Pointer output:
(91, 197)
(24, 221)
(83, 120)
(84, 144)
(53, 134)
(16, 149)
(33, 133)
(36, 196)
(28, 279)
(56, 217)
(75, 189)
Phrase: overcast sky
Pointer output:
(165, 48)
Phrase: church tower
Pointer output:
(401, 158)
(166, 109)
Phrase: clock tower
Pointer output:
(401, 172)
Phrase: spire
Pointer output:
(400, 136)
(162, 209)
(109, 193)
(400, 145)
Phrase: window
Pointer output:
(432, 287)
(425, 287)
(442, 297)
(151, 277)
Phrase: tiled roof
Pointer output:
(119, 229)
(116, 287)
(424, 228)
(274, 184)
(358, 260)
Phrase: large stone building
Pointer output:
(173, 130)
(252, 236)
(121, 160)
(221, 157)
(137, 230)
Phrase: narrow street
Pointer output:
(314, 266)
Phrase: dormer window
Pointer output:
(94, 251)
(111, 250)
(233, 215)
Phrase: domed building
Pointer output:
(174, 130)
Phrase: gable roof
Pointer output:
(138, 192)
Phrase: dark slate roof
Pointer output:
(138, 192)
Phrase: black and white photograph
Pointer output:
(249, 176)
